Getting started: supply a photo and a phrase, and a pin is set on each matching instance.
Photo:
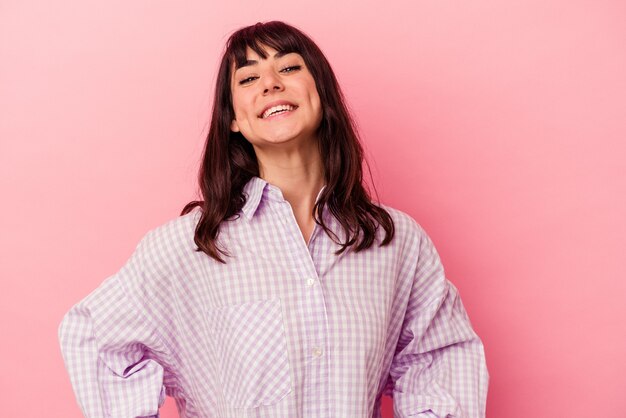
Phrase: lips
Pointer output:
(274, 104)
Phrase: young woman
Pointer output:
(286, 292)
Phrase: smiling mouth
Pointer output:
(277, 110)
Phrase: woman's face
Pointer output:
(275, 99)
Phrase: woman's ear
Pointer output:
(234, 126)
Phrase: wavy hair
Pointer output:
(229, 160)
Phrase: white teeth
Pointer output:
(275, 109)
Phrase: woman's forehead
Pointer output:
(267, 50)
(252, 57)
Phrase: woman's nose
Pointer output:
(272, 83)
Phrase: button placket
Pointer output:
(315, 321)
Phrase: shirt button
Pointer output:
(310, 281)
(317, 352)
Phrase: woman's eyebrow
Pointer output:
(248, 63)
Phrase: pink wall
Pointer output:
(499, 127)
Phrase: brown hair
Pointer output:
(229, 160)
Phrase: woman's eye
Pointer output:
(284, 70)
(247, 80)
(292, 68)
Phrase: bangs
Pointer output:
(276, 35)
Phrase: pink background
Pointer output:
(500, 127)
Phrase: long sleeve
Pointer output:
(439, 368)
(111, 350)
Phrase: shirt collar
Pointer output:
(257, 189)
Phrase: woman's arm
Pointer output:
(439, 368)
(111, 351)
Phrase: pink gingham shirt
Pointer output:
(284, 329)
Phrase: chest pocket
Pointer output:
(252, 352)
